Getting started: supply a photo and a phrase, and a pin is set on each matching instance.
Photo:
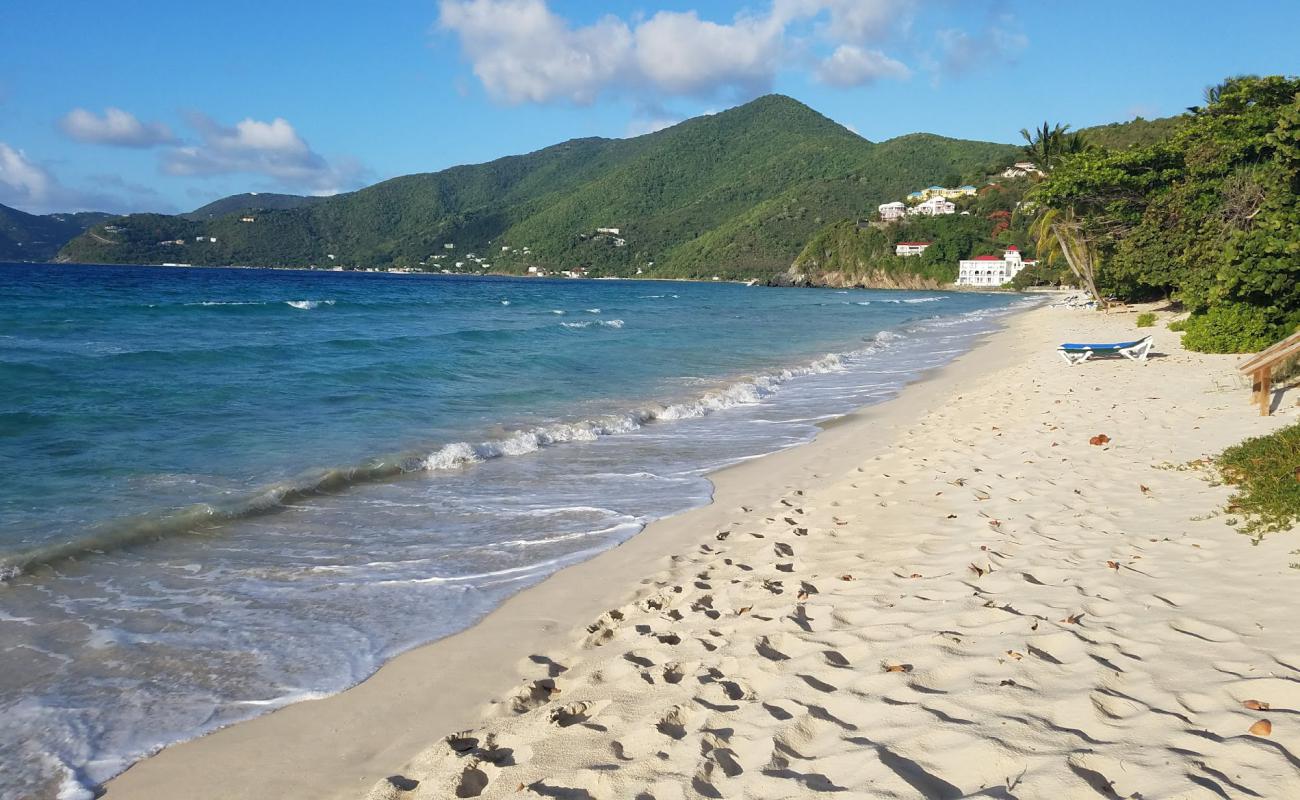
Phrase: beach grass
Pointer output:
(1266, 472)
(1146, 319)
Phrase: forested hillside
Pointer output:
(1139, 132)
(736, 194)
(848, 253)
(249, 202)
(32, 237)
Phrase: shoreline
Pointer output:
(342, 742)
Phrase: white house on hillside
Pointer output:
(892, 211)
(1020, 169)
(910, 248)
(933, 207)
(991, 270)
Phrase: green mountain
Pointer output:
(735, 194)
(249, 202)
(32, 237)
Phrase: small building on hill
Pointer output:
(910, 248)
(1020, 169)
(991, 270)
(889, 212)
(934, 207)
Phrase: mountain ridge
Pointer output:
(734, 193)
(38, 237)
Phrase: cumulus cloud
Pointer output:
(32, 187)
(858, 21)
(523, 52)
(851, 65)
(273, 149)
(21, 181)
(681, 54)
(115, 127)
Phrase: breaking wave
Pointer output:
(144, 528)
(600, 323)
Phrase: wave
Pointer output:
(600, 323)
(457, 455)
(908, 300)
(228, 303)
(151, 527)
(305, 305)
(747, 392)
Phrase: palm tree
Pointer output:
(1061, 233)
(1046, 145)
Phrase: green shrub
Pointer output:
(1235, 328)
(1268, 486)
(1146, 319)
(1178, 325)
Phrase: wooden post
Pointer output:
(1263, 384)
(1260, 369)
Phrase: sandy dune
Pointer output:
(990, 607)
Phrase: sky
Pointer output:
(165, 106)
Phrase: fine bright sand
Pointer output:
(952, 595)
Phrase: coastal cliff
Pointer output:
(855, 276)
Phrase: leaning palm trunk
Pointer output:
(1078, 254)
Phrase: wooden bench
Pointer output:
(1261, 366)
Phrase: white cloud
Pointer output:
(31, 187)
(851, 65)
(21, 181)
(523, 52)
(681, 54)
(853, 21)
(115, 127)
(273, 149)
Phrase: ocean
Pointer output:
(229, 489)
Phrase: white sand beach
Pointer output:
(952, 594)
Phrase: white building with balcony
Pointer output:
(991, 270)
(889, 212)
(910, 248)
(934, 207)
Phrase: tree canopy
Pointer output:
(1209, 216)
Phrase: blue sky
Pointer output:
(153, 106)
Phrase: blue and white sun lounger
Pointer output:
(1079, 353)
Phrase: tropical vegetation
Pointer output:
(1208, 217)
(1266, 472)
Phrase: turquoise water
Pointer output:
(230, 489)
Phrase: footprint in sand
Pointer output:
(572, 714)
(674, 721)
(602, 630)
(537, 693)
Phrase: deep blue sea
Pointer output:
(225, 489)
